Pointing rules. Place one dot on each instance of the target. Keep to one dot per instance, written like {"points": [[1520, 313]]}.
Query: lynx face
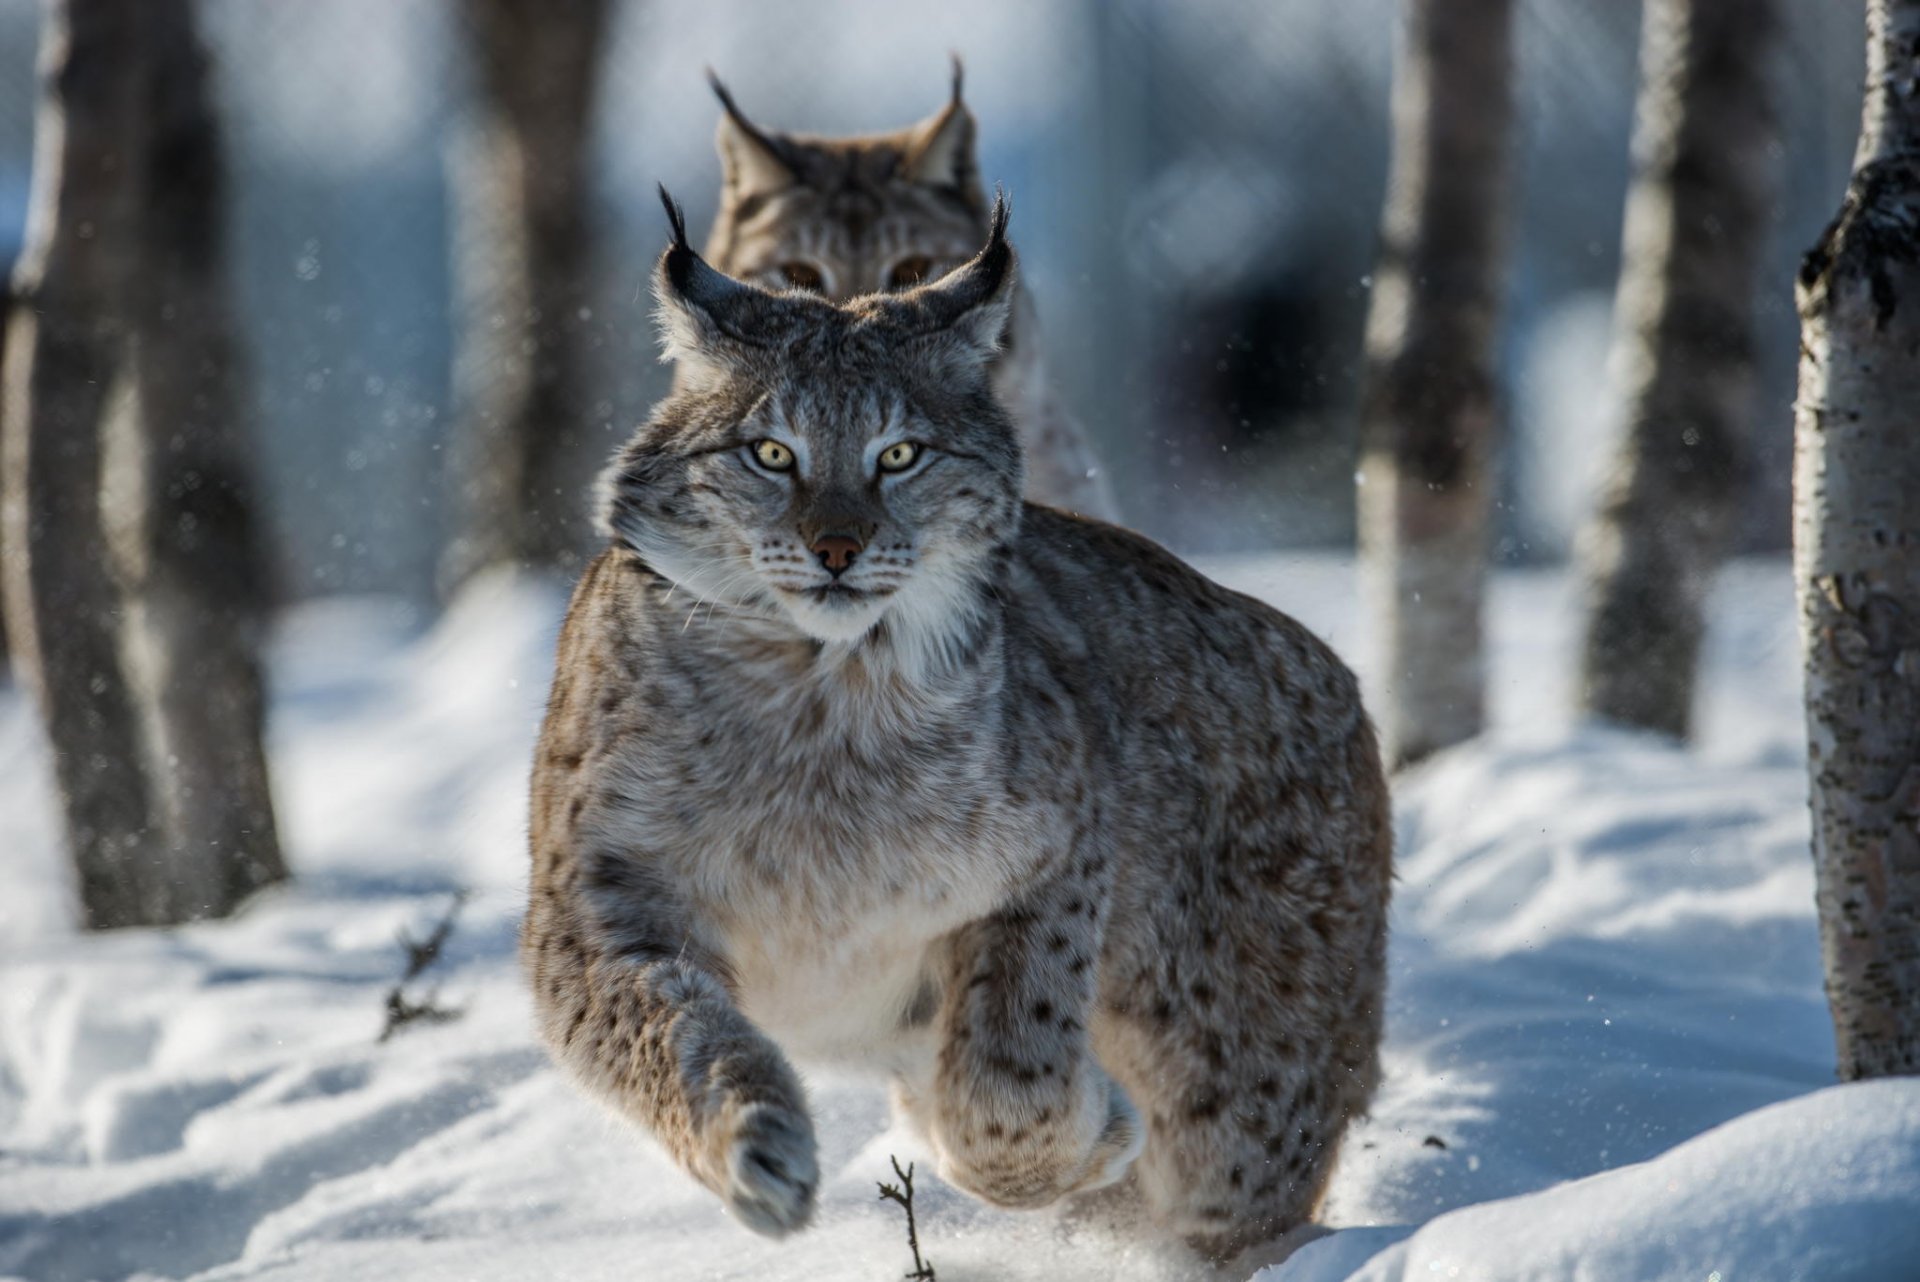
{"points": [[832, 466], [844, 217]]}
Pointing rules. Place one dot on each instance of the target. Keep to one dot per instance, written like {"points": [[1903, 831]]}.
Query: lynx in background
{"points": [[842, 217], [851, 756]]}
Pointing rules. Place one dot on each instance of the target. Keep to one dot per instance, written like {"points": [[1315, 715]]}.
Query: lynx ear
{"points": [[939, 150], [964, 313], [752, 162], [708, 320]]}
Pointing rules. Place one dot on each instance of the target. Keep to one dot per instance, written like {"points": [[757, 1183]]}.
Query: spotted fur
{"points": [[1086, 853], [876, 214]]}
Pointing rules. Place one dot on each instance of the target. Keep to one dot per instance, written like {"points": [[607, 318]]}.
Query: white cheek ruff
{"points": [[932, 613], [719, 574]]}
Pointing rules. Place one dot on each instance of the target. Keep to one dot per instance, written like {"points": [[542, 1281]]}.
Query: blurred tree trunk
{"points": [[1857, 561], [1696, 225], [523, 248], [203, 588], [67, 341], [147, 679], [1428, 410], [6, 324]]}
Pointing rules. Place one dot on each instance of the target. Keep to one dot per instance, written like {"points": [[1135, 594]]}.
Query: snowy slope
{"points": [[1604, 947], [1819, 1188]]}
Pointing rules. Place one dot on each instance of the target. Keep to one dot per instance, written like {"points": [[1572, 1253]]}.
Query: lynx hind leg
{"points": [[1218, 1181], [1119, 1145], [1246, 1025]]}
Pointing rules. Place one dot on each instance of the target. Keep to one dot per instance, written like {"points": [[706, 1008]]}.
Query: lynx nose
{"points": [[836, 551]]}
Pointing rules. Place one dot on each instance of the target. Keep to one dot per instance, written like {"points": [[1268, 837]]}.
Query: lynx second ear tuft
{"points": [[940, 150], [753, 162]]}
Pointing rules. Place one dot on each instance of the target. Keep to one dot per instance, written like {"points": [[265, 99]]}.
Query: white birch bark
{"points": [[1857, 561], [1428, 414]]}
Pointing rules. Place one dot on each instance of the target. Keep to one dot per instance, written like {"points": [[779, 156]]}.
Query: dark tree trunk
{"points": [[6, 326], [203, 593], [1428, 411], [66, 343], [1696, 226], [148, 680], [1857, 560], [524, 250]]}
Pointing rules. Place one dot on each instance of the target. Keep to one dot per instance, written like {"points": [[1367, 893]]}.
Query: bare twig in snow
{"points": [[401, 1012], [903, 1194], [422, 953]]}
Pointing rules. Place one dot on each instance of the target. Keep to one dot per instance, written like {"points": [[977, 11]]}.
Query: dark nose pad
{"points": [[836, 552]]}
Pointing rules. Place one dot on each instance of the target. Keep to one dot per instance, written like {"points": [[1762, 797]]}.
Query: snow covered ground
{"points": [[1608, 1053]]}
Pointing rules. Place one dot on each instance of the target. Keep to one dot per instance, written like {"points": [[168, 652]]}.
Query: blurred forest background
{"points": [[310, 298], [1196, 192]]}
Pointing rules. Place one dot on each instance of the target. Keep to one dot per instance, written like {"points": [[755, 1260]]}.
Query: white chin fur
{"points": [[831, 620]]}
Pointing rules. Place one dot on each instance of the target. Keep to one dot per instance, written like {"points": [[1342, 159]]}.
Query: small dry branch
{"points": [[903, 1194], [422, 953]]}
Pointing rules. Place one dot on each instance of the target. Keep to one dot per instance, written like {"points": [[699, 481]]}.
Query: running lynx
{"points": [[849, 216], [851, 756]]}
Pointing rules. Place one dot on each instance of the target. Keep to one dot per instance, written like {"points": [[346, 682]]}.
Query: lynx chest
{"points": [[826, 843], [830, 924]]}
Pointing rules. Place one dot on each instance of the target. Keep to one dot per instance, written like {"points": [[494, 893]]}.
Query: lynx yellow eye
{"points": [[773, 456], [909, 272], [900, 457], [802, 276]]}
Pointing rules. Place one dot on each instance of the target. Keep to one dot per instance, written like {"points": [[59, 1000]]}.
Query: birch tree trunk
{"points": [[203, 589], [1857, 561], [523, 254], [1696, 226], [1428, 411], [145, 666], [66, 342]]}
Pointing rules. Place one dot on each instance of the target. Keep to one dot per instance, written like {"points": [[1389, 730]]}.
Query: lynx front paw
{"points": [[772, 1172]]}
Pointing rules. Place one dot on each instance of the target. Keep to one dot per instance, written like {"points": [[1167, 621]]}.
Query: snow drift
{"points": [[1608, 1055]]}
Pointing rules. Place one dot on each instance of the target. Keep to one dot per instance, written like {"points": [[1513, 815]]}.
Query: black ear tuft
{"points": [[720, 91], [680, 256], [997, 220], [996, 256], [774, 146], [752, 160], [959, 75], [675, 219]]}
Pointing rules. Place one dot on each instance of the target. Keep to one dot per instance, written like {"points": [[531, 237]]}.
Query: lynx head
{"points": [[844, 467], [844, 217]]}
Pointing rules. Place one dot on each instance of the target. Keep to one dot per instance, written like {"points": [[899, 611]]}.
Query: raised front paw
{"points": [[772, 1173]]}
